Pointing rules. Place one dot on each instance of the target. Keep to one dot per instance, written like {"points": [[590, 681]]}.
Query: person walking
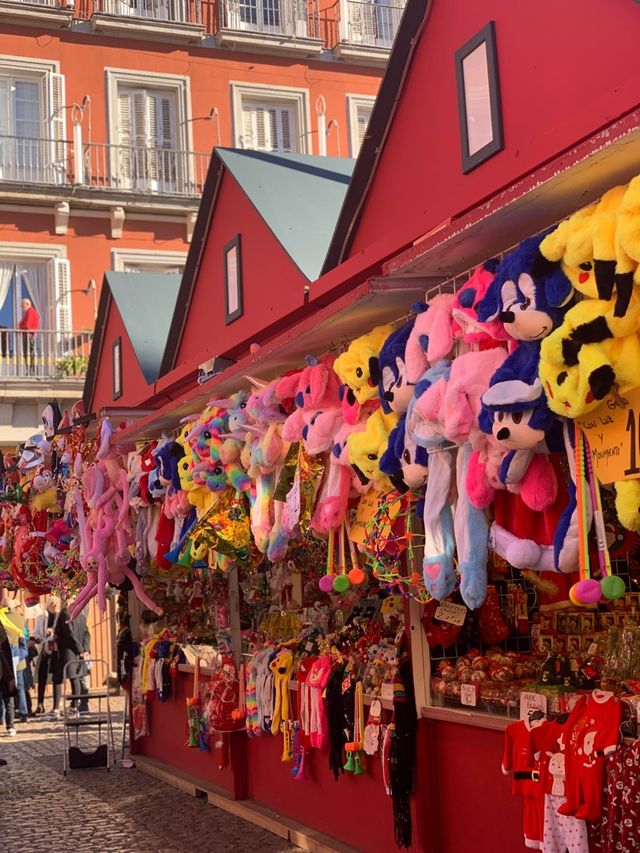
{"points": [[43, 635], [80, 674], [12, 618], [7, 684], [29, 325], [69, 650]]}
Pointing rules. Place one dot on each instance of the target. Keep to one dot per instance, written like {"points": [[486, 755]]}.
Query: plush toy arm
{"points": [[480, 492], [539, 486], [471, 534]]}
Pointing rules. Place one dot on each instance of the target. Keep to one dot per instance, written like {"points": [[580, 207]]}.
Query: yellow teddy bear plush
{"points": [[358, 370], [366, 448]]}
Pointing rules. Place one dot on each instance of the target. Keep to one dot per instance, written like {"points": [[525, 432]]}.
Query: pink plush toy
{"points": [[315, 388], [340, 482], [432, 336], [105, 533], [465, 310]]}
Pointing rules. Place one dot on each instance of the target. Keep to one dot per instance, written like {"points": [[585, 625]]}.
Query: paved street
{"points": [[93, 811]]}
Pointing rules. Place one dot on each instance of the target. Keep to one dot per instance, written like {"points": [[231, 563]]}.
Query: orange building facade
{"points": [[108, 114]]}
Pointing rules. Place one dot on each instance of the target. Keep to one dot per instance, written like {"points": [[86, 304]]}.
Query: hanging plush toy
{"points": [[515, 412], [529, 295], [432, 336], [367, 448], [359, 371], [470, 330], [394, 387]]}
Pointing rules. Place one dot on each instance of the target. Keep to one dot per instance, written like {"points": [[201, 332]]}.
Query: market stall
{"points": [[410, 523]]}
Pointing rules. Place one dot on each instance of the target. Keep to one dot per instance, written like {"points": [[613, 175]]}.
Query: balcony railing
{"points": [[45, 354], [355, 22], [33, 161], [293, 18], [180, 11], [136, 170], [142, 170], [371, 24]]}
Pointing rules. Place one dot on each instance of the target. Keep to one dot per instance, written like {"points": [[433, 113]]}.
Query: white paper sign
{"points": [[387, 691], [530, 702], [468, 694], [453, 613]]}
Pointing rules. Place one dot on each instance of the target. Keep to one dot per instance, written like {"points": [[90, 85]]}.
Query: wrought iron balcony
{"points": [[371, 24], [135, 170], [45, 354], [289, 18], [143, 170], [179, 11]]}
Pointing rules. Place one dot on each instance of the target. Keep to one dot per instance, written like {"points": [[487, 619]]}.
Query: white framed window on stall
{"points": [[33, 144]]}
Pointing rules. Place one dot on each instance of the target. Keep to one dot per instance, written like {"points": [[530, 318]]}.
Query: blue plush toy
{"points": [[529, 294], [515, 412], [394, 388], [404, 461]]}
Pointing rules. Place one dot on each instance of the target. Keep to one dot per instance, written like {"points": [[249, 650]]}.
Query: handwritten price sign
{"points": [[613, 433]]}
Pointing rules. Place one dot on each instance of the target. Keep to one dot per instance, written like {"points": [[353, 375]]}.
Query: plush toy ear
{"points": [[490, 305], [557, 287], [390, 459], [374, 370], [287, 386], [485, 421], [554, 244], [319, 380]]}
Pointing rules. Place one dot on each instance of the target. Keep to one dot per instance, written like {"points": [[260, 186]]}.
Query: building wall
{"points": [[83, 58], [263, 306], [575, 72]]}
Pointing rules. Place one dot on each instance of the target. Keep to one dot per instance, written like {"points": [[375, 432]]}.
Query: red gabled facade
{"points": [[566, 70], [272, 284]]}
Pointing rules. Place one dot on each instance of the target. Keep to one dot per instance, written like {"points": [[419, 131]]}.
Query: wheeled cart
{"points": [[85, 721]]}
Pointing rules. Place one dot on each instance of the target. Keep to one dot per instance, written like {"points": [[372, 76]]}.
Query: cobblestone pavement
{"points": [[93, 811]]}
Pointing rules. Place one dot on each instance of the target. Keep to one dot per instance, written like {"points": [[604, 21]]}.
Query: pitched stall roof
{"points": [[414, 18], [299, 197], [146, 303]]}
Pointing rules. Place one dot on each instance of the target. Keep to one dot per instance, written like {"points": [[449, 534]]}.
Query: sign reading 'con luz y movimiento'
{"points": [[613, 433]]}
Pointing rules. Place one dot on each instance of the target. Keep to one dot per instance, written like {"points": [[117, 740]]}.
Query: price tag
{"points": [[469, 694], [387, 690], [530, 702], [613, 432], [293, 503], [452, 613]]}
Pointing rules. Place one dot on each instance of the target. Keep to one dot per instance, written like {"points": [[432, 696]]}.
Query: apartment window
{"points": [[359, 109], [372, 23], [38, 273], [233, 280], [288, 17], [149, 131], [32, 122], [141, 260], [267, 119]]}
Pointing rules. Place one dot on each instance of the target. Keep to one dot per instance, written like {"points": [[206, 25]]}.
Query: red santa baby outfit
{"points": [[593, 731], [518, 759], [560, 832]]}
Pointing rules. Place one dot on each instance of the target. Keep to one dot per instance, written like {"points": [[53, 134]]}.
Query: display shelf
{"points": [[467, 718]]}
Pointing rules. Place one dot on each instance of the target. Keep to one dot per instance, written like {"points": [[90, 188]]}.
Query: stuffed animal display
{"points": [[460, 417]]}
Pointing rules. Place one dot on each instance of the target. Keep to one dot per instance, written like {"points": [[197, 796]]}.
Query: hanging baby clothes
{"points": [[619, 829], [561, 833], [592, 733], [518, 759], [317, 680]]}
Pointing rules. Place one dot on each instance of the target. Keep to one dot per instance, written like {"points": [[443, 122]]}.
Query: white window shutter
{"points": [[60, 273], [6, 158], [248, 121], [363, 114], [57, 126]]}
